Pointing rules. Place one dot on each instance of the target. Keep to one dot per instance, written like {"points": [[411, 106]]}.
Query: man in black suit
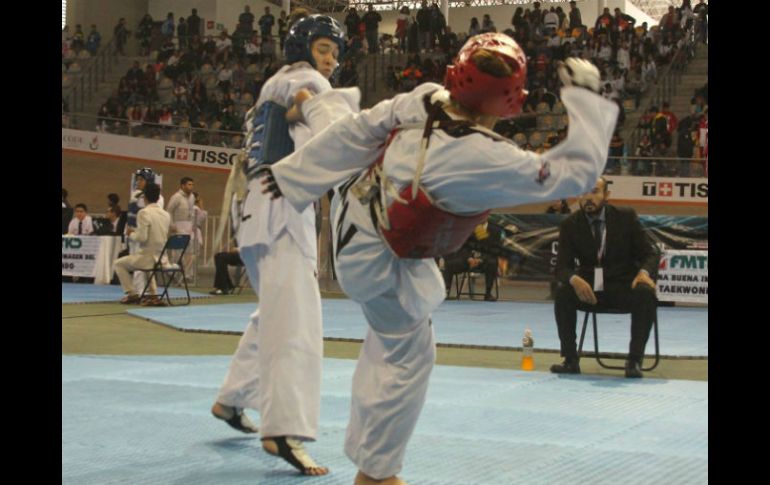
{"points": [[616, 264], [476, 254]]}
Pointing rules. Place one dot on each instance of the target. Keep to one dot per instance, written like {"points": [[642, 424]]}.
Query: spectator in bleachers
{"points": [[649, 70], [252, 49], [604, 23], [245, 21], [643, 149], [224, 47], [267, 49], [168, 26], [449, 44], [194, 24], [701, 12], [120, 34], [283, 28], [575, 19], [437, 24], [182, 33], [536, 15], [487, 25], [669, 21], [550, 22], [224, 77], [93, 41], [616, 152], [144, 33], [372, 20], [352, 20], [423, 23], [266, 23], [78, 39], [66, 40], [402, 27]]}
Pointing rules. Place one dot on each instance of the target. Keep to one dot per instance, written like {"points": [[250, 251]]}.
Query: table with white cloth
{"points": [[90, 256]]}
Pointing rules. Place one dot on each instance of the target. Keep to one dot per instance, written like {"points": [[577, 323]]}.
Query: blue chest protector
{"points": [[267, 136]]}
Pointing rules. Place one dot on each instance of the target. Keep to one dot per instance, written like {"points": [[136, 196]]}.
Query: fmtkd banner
{"points": [[684, 276]]}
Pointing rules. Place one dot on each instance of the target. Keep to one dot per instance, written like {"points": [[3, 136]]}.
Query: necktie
{"points": [[597, 227], [80, 227]]}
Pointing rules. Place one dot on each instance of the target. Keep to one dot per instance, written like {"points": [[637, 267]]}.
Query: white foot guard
{"points": [[234, 417], [293, 451]]}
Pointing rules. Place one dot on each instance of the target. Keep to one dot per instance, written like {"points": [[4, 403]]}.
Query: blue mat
{"points": [[145, 420], [683, 331], [86, 293]]}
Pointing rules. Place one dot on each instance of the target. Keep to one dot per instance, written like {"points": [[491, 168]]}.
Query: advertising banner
{"points": [[79, 255], [146, 149], [684, 276]]}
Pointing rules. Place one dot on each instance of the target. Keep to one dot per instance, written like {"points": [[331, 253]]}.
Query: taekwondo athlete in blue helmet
{"points": [[276, 369]]}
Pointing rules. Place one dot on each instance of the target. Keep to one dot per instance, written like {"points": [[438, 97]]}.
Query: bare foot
{"points": [[293, 451], [363, 479]]}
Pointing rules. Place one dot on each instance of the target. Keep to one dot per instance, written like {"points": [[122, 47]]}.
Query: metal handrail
{"points": [[142, 129], [94, 72], [668, 82]]}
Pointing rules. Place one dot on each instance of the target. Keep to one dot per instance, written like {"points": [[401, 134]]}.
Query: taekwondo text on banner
{"points": [[684, 276]]}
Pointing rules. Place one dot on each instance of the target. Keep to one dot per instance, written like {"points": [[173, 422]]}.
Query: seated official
{"points": [[81, 224], [222, 283], [152, 227], [113, 224], [617, 264], [471, 257]]}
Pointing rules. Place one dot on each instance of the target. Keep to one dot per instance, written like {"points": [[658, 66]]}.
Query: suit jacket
{"points": [[152, 225], [628, 249]]}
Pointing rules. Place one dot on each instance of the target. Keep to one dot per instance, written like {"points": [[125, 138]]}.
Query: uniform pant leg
{"points": [[389, 386], [289, 340], [241, 385]]}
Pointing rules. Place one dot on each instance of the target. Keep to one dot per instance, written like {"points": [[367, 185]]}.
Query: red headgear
{"points": [[484, 93]]}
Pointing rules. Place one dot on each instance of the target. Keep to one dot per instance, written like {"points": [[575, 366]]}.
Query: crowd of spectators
{"points": [[208, 82]]}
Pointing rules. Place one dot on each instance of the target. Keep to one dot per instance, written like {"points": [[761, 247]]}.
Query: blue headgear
{"points": [[146, 173], [307, 29]]}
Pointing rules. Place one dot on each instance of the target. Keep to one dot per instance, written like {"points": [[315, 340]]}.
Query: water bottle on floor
{"points": [[527, 361]]}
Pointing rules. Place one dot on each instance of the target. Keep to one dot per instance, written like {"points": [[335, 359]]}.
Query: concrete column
{"points": [[445, 9], [285, 5]]}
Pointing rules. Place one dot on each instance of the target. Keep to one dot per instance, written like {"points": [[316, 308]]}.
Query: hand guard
{"points": [[579, 72], [268, 181]]}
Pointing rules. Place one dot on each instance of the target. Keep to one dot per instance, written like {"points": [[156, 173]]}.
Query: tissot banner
{"points": [[146, 149]]}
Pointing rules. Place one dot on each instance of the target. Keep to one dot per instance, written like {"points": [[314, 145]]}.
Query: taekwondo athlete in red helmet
{"points": [[413, 175]]}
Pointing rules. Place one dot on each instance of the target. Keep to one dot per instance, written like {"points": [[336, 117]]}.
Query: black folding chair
{"points": [[241, 279], [599, 355], [470, 277], [164, 275]]}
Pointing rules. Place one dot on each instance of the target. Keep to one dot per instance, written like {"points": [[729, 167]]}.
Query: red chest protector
{"points": [[414, 227], [419, 229]]}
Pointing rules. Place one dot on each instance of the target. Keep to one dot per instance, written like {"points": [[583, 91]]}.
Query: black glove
{"points": [[269, 183]]}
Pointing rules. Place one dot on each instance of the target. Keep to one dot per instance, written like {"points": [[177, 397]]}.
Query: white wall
{"points": [[223, 12], [87, 12], [460, 18]]}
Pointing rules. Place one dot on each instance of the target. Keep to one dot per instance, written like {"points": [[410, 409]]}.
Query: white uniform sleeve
{"points": [[142, 227], [343, 149], [323, 109]]}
